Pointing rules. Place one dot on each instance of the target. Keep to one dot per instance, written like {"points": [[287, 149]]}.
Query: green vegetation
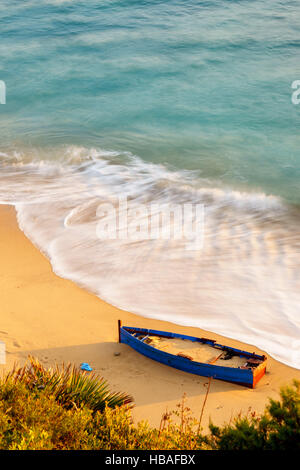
{"points": [[69, 409], [68, 386], [277, 429]]}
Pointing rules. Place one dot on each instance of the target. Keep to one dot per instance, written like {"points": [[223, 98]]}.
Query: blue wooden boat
{"points": [[251, 369]]}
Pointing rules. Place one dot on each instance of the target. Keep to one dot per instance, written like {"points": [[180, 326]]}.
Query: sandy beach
{"points": [[58, 322]]}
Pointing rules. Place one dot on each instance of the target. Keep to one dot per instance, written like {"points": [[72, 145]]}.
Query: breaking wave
{"points": [[244, 282]]}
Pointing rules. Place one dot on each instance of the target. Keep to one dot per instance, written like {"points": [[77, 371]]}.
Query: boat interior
{"points": [[198, 351]]}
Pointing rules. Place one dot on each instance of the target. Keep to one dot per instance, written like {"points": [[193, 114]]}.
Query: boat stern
{"points": [[259, 372]]}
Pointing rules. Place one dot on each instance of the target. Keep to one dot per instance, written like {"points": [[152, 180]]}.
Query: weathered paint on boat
{"points": [[247, 376]]}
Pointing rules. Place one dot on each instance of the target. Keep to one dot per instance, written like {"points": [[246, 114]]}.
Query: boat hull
{"points": [[246, 377]]}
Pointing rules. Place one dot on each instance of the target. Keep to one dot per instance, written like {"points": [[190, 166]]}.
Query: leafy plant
{"points": [[68, 385], [63, 408]]}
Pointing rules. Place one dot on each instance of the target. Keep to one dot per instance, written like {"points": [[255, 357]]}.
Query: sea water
{"points": [[161, 102]]}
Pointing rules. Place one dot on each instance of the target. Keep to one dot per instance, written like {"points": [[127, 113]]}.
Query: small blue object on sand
{"points": [[85, 366]]}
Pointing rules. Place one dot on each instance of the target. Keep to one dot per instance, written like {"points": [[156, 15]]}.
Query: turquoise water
{"points": [[200, 85], [161, 101]]}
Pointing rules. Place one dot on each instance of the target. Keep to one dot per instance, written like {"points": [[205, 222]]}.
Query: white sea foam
{"points": [[244, 283]]}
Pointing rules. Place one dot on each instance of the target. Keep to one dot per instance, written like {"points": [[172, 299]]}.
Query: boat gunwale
{"points": [[212, 343]]}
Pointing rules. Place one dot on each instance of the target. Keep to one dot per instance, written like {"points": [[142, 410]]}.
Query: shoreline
{"points": [[57, 321]]}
